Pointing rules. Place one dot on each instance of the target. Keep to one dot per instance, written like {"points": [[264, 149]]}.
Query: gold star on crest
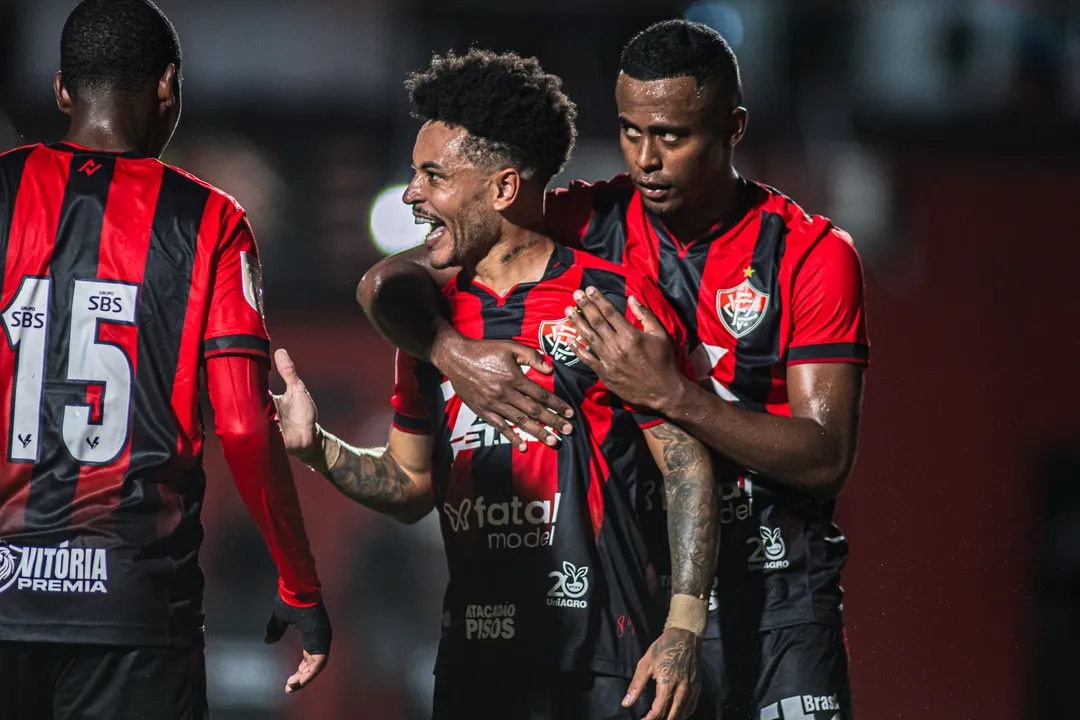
{"points": [[748, 272]]}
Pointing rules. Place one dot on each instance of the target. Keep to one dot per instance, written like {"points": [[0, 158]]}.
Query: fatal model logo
{"points": [[509, 525], [555, 337], [741, 308]]}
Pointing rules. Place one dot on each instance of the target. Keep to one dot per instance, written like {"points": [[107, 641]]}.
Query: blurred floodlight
{"points": [[392, 226], [721, 17]]}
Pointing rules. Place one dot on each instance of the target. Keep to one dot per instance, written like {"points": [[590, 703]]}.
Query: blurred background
{"points": [[944, 135]]}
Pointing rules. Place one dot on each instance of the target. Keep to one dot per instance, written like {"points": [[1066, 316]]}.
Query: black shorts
{"points": [[793, 673], [561, 696], [42, 681]]}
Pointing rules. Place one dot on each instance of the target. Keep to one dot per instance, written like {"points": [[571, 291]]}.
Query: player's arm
{"points": [[400, 295], [394, 480], [814, 449], [672, 660], [236, 356]]}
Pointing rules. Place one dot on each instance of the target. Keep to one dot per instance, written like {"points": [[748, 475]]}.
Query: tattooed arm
{"points": [[691, 508], [394, 480], [672, 661]]}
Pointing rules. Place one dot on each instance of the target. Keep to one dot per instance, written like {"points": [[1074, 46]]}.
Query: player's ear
{"points": [[168, 86], [739, 118], [506, 185], [63, 97]]}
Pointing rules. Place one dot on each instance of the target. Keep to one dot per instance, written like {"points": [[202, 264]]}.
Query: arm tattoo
{"points": [[691, 510], [372, 478]]}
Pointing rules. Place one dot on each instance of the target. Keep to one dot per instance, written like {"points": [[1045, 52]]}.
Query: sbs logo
{"points": [[570, 585]]}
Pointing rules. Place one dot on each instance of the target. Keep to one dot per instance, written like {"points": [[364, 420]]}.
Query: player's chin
{"points": [[663, 208]]}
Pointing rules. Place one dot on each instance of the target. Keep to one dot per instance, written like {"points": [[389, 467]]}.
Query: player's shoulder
{"points": [[227, 202], [619, 275], [16, 157], [805, 231], [589, 192]]}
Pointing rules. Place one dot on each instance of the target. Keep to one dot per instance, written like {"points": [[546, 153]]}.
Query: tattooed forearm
{"points": [[691, 509], [372, 477]]}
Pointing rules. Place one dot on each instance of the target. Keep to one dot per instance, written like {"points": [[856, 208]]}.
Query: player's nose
{"points": [[412, 194]]}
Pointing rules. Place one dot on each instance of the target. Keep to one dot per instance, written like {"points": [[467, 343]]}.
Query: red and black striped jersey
{"points": [[546, 556], [768, 287], [122, 279]]}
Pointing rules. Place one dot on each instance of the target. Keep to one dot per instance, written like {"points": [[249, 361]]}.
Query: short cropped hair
{"points": [[116, 45], [680, 48], [514, 112]]}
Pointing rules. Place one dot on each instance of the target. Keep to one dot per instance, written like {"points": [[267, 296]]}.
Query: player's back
{"points": [[109, 307]]}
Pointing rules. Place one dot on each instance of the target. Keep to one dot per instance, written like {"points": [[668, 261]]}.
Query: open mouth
{"points": [[436, 225]]}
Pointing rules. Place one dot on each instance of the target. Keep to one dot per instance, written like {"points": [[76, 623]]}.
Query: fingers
{"points": [[548, 401], [309, 667], [286, 369], [678, 703], [275, 629], [645, 316], [585, 356], [590, 312], [640, 680], [610, 313], [504, 428], [532, 358], [660, 704]]}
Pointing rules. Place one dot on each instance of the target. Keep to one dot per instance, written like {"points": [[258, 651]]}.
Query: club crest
{"points": [[555, 337], [741, 308]]}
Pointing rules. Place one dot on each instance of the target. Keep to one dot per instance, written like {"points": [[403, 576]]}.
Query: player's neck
{"points": [[692, 222], [109, 129], [520, 256]]}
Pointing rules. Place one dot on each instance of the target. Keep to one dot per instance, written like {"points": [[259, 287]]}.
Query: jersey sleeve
{"points": [[649, 295], [569, 210], [410, 415], [235, 324], [828, 312], [245, 420]]}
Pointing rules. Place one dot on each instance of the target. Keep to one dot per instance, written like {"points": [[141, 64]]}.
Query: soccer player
{"points": [[773, 301], [548, 607], [122, 278]]}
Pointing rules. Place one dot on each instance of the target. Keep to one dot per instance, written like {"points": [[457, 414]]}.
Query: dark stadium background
{"points": [[945, 136]]}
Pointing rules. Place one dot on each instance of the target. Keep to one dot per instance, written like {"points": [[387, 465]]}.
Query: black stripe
{"points": [[237, 342], [831, 351], [75, 257], [606, 235], [11, 171], [166, 287], [679, 278], [405, 422], [758, 351]]}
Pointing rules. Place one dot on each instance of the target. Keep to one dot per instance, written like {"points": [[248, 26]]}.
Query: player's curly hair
{"points": [[515, 112], [680, 48], [116, 45]]}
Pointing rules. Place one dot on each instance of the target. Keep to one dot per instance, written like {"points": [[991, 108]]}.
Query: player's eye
{"points": [[631, 132], [670, 138]]}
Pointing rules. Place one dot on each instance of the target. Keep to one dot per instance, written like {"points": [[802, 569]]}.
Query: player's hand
{"points": [[672, 663], [637, 366], [487, 375], [313, 624], [296, 411]]}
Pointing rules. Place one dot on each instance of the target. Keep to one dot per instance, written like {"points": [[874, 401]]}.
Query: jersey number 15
{"points": [[90, 360]]}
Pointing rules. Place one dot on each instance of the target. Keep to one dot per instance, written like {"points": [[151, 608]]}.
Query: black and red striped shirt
{"points": [[122, 279], [546, 556], [769, 287]]}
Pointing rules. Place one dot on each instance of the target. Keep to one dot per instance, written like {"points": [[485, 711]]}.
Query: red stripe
{"points": [[125, 241], [29, 252], [642, 243]]}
